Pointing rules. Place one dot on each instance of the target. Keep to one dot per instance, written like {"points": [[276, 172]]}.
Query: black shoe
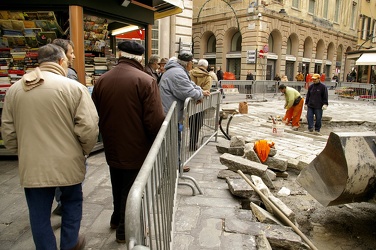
{"points": [[120, 236], [114, 222], [58, 210]]}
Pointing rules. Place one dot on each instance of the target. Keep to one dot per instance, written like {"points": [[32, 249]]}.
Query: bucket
{"points": [[278, 129]]}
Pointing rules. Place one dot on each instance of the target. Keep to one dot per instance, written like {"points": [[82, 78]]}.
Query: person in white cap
{"points": [[316, 101]]}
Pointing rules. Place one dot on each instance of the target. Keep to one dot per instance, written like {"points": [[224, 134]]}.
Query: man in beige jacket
{"points": [[202, 78], [51, 122]]}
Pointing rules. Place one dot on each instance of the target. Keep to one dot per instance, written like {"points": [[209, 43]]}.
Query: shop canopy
{"points": [[367, 59]]}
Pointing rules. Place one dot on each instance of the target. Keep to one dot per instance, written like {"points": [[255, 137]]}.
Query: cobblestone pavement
{"points": [[201, 220]]}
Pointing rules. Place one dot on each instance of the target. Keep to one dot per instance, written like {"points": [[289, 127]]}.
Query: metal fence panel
{"points": [[150, 206], [200, 125]]}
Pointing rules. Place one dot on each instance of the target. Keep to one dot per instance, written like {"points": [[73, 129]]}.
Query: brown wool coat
{"points": [[130, 113]]}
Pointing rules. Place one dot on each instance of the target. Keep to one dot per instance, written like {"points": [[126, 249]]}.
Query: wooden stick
{"points": [[276, 209]]}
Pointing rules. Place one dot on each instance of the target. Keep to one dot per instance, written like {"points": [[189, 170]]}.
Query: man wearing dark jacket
{"points": [[316, 101], [130, 115]]}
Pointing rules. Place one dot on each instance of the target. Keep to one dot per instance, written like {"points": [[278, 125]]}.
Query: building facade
{"points": [[174, 32], [278, 37]]}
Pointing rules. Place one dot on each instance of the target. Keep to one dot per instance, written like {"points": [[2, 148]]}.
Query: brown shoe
{"points": [[80, 244], [186, 169]]}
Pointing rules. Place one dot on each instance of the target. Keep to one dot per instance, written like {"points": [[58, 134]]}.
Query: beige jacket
{"points": [[201, 77], [51, 122]]}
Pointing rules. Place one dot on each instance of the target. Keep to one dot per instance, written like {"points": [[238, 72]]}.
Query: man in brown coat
{"points": [[130, 115]]}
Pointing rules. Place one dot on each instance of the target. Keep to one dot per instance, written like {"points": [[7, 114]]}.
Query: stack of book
{"points": [[31, 60], [89, 67], [5, 59], [100, 65]]}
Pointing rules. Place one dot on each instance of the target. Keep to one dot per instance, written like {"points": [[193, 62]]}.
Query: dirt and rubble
{"points": [[347, 226]]}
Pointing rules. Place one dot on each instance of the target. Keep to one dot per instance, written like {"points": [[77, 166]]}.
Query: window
{"points": [[374, 32], [325, 14], [336, 11], [236, 42], [295, 3], [211, 44], [311, 7], [366, 27], [289, 47], [155, 38]]}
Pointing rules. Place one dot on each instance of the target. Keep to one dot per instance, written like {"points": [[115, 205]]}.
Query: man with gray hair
{"points": [[176, 85], [51, 122], [152, 66]]}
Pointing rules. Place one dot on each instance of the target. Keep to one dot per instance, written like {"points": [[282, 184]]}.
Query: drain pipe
{"points": [[279, 213]]}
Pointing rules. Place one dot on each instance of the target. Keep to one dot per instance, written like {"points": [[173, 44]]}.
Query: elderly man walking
{"points": [[130, 115], [51, 122]]}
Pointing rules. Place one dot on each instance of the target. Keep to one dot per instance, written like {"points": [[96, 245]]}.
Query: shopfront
{"points": [[27, 25]]}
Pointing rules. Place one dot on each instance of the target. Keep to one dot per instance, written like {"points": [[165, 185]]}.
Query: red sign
{"points": [[261, 53], [136, 34]]}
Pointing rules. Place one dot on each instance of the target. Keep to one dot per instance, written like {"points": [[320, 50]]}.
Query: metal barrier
{"points": [[356, 91], [260, 89], [200, 125], [150, 206]]}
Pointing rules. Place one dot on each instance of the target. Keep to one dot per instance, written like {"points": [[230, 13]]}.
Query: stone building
{"points": [[276, 36]]}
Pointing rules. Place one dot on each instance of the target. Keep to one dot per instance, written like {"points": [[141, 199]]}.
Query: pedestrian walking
{"points": [[130, 115], [293, 105], [219, 73], [316, 101], [51, 122], [68, 47]]}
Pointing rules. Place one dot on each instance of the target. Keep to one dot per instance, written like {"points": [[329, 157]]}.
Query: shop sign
{"points": [[290, 58], [272, 56], [251, 56], [318, 61], [306, 59], [233, 55], [328, 62]]}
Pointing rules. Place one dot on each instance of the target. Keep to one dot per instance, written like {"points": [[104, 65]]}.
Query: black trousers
{"points": [[195, 123], [121, 181]]}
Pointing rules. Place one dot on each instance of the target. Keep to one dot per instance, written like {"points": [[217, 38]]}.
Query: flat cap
{"points": [[185, 56], [316, 76], [131, 47]]}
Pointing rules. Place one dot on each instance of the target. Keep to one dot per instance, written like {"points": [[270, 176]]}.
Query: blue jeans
{"points": [[39, 201], [58, 191], [318, 114]]}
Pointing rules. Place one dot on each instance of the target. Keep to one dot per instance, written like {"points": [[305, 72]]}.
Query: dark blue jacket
{"points": [[317, 96]]}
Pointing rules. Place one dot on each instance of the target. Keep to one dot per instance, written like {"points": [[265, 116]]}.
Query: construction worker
{"points": [[293, 105]]}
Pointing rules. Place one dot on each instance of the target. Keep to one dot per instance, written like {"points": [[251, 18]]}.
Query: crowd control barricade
{"points": [[200, 126], [356, 91], [150, 207], [240, 86]]}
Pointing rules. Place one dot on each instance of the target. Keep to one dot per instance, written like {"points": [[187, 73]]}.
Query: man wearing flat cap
{"points": [[130, 115], [176, 85], [316, 101]]}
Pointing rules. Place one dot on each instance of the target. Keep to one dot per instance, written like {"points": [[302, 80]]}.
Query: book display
{"points": [[21, 34], [96, 47]]}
